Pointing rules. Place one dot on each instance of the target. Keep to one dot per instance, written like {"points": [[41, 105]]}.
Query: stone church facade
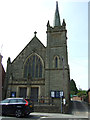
{"points": [[38, 70]]}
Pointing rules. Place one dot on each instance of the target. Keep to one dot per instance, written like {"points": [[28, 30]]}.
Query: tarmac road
{"points": [[79, 108]]}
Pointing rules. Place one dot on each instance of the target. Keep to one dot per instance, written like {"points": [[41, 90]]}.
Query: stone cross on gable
{"points": [[35, 33]]}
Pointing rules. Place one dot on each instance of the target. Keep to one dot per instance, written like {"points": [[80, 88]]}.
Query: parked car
{"points": [[16, 106]]}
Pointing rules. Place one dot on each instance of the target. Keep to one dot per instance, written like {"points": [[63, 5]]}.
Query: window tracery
{"points": [[33, 67]]}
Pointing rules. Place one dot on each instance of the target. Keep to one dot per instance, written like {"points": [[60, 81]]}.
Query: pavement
{"points": [[48, 116], [58, 115]]}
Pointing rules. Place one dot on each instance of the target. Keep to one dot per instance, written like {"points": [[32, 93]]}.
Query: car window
{"points": [[13, 101], [24, 101], [5, 101], [21, 100]]}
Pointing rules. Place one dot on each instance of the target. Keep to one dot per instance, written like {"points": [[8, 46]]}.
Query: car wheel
{"points": [[18, 113], [26, 115]]}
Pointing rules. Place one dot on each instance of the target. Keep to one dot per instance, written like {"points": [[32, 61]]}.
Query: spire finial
{"points": [[48, 24], [56, 5], [57, 16]]}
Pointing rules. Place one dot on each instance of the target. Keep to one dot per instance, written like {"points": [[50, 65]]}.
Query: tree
{"points": [[81, 93], [73, 88]]}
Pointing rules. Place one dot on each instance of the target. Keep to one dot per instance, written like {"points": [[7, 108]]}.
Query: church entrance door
{"points": [[23, 92], [34, 94]]}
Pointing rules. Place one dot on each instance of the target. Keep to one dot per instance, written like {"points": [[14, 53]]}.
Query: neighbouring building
{"points": [[76, 98], [88, 92], [41, 72], [2, 77]]}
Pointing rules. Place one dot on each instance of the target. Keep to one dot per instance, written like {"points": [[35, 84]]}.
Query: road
{"points": [[79, 108], [79, 111]]}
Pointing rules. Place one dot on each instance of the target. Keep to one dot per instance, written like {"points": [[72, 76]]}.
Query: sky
{"points": [[19, 19], [88, 45]]}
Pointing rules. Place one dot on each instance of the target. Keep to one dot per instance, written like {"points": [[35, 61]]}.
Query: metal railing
{"points": [[43, 101]]}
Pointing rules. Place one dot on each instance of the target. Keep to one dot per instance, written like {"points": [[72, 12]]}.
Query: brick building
{"points": [[38, 70]]}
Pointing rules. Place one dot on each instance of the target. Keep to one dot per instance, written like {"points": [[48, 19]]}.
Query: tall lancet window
{"points": [[33, 67], [56, 62]]}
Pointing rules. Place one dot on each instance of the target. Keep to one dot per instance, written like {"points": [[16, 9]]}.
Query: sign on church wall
{"points": [[56, 94]]}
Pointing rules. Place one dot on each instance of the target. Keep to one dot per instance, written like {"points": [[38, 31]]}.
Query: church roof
{"points": [[34, 44]]}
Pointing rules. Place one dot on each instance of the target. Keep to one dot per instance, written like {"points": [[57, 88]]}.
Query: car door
{"points": [[19, 104], [12, 106], [4, 105]]}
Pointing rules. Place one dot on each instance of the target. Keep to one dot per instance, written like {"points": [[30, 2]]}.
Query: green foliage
{"points": [[75, 91], [73, 88], [72, 92], [82, 93]]}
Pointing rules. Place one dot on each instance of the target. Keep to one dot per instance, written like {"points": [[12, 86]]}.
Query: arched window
{"points": [[33, 67], [56, 62]]}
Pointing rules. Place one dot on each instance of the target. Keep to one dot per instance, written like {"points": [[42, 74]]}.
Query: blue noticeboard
{"points": [[61, 94], [57, 94], [13, 94], [53, 94]]}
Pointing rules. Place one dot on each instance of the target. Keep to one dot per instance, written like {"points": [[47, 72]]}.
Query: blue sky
{"points": [[21, 18]]}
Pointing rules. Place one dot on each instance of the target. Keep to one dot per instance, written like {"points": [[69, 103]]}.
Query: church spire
{"points": [[57, 16]]}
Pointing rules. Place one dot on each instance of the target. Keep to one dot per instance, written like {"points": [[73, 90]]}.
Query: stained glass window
{"points": [[33, 67], [36, 71]]}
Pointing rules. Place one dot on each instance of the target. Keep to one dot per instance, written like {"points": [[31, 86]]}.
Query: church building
{"points": [[41, 71]]}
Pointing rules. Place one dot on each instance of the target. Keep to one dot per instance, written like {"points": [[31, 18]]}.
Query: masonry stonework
{"points": [[38, 70]]}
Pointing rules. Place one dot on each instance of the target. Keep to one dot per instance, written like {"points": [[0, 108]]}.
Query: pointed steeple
{"points": [[57, 16]]}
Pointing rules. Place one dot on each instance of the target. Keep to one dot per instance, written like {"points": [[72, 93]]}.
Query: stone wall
{"points": [[35, 46], [50, 109]]}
